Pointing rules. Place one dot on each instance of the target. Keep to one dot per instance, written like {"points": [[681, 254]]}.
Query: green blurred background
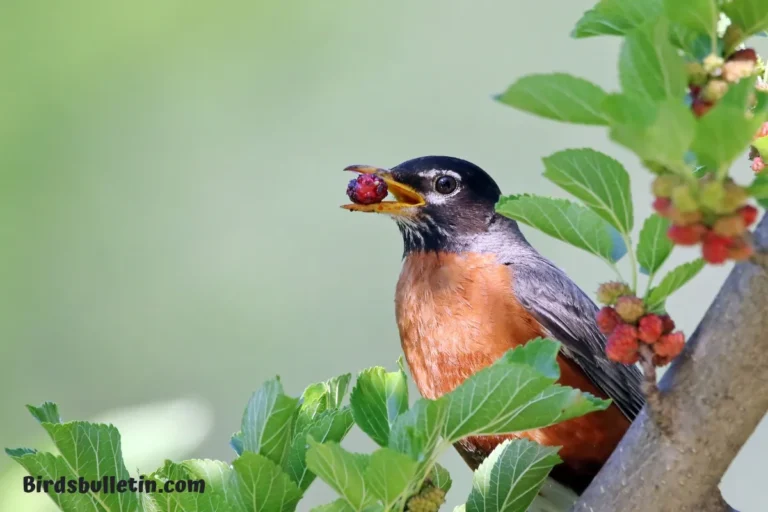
{"points": [[170, 176]]}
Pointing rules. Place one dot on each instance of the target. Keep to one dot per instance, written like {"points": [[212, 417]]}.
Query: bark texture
{"points": [[712, 397]]}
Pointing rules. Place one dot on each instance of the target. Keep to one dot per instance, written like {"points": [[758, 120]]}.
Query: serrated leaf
{"points": [[19, 452], [236, 442], [268, 420], [417, 432], [649, 65], [654, 246], [616, 17], [389, 475], [759, 187], [509, 479], [204, 499], [510, 397], [540, 354], [342, 471], [329, 426], [723, 135], [672, 282], [598, 180], [321, 397], [761, 144], [93, 451], [263, 486], [440, 478], [750, 15], [337, 506], [700, 16], [566, 221], [659, 132], [220, 480], [51, 467], [377, 399], [557, 96], [48, 412]]}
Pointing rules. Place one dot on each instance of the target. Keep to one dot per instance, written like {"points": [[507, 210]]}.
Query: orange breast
{"points": [[458, 314]]}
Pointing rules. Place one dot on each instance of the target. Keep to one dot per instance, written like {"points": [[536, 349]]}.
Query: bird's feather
{"points": [[568, 315]]}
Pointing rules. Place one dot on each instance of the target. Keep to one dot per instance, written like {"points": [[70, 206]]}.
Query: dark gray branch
{"points": [[714, 395]]}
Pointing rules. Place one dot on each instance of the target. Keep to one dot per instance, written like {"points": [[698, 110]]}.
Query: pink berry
{"points": [[367, 189]]}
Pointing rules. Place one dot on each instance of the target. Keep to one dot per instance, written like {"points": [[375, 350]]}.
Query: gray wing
{"points": [[568, 314]]}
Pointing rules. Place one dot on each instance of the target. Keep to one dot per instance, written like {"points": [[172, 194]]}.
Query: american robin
{"points": [[472, 287]]}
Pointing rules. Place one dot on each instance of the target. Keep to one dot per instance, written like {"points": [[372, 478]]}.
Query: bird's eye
{"points": [[445, 184]]}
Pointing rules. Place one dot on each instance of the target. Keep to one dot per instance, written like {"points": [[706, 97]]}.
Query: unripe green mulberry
{"points": [[608, 293], [683, 199], [711, 195], [664, 185], [428, 500]]}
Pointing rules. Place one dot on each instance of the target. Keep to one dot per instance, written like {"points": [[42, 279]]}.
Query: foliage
{"points": [[285, 443]]}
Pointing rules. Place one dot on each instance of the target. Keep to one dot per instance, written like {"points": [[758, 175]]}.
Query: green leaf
{"points": [[52, 467], [440, 478], [377, 399], [598, 180], [88, 450], [509, 479], [649, 65], [511, 397], [268, 420], [725, 132], [655, 246], [342, 471], [236, 442], [337, 506], [264, 487], [389, 475], [209, 500], [700, 16], [659, 132], [566, 221], [417, 432], [321, 397], [48, 412], [616, 17], [220, 480], [330, 425], [557, 96], [750, 15], [759, 187], [672, 282], [540, 354], [761, 144]]}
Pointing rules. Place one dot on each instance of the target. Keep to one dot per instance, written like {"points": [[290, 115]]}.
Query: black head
{"points": [[442, 203]]}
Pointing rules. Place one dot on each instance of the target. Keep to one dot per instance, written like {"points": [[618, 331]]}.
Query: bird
{"points": [[472, 287]]}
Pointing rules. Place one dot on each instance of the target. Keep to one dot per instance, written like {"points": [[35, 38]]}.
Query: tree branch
{"points": [[715, 394]]}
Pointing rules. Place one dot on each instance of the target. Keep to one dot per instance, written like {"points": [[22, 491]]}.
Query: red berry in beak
{"points": [[367, 189]]}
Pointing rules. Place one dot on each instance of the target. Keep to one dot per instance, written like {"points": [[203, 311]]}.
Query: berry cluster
{"points": [[708, 81], [709, 212], [429, 499], [627, 324], [367, 189]]}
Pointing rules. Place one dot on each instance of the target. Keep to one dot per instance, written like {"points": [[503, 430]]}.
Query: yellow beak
{"points": [[405, 196]]}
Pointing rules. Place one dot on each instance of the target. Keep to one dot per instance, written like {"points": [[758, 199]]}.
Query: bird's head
{"points": [[439, 202]]}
